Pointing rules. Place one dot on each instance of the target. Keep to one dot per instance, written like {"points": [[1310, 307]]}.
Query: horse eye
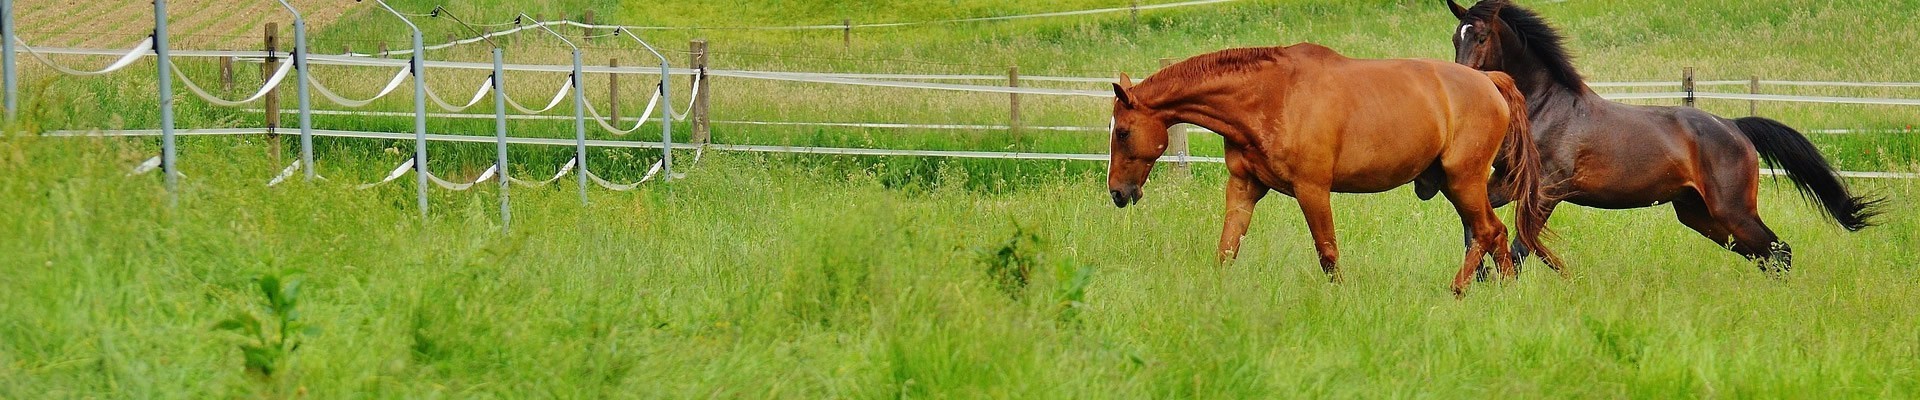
{"points": [[1122, 133]]}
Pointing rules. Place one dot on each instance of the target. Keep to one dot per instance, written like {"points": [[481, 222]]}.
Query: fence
{"points": [[662, 100]]}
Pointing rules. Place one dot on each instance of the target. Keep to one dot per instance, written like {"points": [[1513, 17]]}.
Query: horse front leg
{"points": [[1242, 194]]}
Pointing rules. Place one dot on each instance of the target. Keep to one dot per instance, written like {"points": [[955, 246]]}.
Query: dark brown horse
{"points": [[1305, 121], [1603, 154]]}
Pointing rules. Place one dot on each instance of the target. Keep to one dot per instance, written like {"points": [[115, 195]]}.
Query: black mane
{"points": [[1541, 39]]}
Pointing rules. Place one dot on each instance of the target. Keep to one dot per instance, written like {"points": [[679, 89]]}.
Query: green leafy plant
{"points": [[1010, 263], [270, 335], [1072, 293]]}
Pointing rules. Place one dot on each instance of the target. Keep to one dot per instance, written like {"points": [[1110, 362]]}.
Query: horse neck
{"points": [[1537, 81], [1213, 105]]}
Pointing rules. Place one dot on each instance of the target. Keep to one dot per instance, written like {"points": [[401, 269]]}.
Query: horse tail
{"points": [[1788, 150], [1521, 180]]}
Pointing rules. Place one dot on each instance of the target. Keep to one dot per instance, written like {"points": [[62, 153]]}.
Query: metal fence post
{"points": [[613, 88], [420, 121], [164, 64], [500, 138], [6, 59], [580, 126], [666, 122], [300, 82], [418, 65]]}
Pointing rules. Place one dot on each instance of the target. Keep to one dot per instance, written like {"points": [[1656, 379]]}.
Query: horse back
{"points": [[1389, 120]]}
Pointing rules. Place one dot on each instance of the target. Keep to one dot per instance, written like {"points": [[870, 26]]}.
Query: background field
{"points": [[793, 276]]}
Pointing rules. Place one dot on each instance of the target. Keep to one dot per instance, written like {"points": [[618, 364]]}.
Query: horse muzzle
{"points": [[1124, 196]]}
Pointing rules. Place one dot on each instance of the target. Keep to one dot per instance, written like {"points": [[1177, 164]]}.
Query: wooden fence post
{"points": [[1686, 85], [613, 89], [702, 131], [383, 49], [846, 34], [226, 74], [1135, 10], [272, 101], [1177, 134], [586, 20], [1013, 102], [1753, 106]]}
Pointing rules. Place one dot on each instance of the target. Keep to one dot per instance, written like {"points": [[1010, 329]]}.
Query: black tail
{"points": [[1788, 150]]}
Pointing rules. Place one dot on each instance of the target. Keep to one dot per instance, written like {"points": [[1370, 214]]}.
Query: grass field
{"points": [[770, 276], [806, 280]]}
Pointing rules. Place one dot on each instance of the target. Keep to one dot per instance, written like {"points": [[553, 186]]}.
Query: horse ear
{"points": [[1122, 91], [1460, 13]]}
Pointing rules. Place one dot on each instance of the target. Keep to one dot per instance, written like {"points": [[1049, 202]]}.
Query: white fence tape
{"points": [[284, 174], [903, 80], [1807, 99], [556, 175], [909, 85], [739, 148], [272, 82], [396, 174], [139, 50], [557, 96], [648, 118], [646, 114], [692, 96], [350, 103], [914, 126], [484, 176], [526, 27], [477, 95], [146, 166]]}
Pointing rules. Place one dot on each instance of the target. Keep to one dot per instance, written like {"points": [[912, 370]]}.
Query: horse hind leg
{"points": [[1693, 212], [1518, 251], [1752, 239], [1486, 233], [1741, 230]]}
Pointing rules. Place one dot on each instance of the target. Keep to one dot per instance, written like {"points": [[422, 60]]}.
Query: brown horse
{"points": [[1305, 121], [1603, 154]]}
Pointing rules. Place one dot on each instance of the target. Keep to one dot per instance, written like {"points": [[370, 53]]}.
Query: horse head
{"points": [[1138, 137], [1482, 39]]}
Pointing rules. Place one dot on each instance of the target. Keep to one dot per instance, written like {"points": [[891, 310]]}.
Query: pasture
{"points": [[791, 276]]}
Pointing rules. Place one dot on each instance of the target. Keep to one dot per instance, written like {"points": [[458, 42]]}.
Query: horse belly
{"points": [[1383, 165], [1635, 183]]}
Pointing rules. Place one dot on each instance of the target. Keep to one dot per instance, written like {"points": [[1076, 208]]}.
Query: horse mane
{"points": [[1541, 39], [1223, 62]]}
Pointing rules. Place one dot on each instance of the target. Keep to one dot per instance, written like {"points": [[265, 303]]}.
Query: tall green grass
{"points": [[808, 277], [778, 276]]}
